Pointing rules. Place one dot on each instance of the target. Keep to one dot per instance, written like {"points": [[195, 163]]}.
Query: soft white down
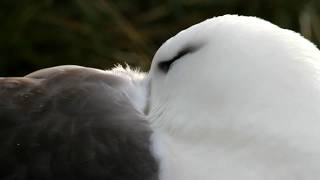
{"points": [[241, 103]]}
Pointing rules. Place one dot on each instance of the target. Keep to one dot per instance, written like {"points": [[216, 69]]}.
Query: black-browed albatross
{"points": [[231, 98], [236, 98], [72, 122]]}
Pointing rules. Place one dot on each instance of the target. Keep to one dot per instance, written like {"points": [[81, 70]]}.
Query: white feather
{"points": [[244, 106], [135, 87]]}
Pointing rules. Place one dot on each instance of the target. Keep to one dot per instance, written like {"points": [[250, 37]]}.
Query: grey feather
{"points": [[72, 123]]}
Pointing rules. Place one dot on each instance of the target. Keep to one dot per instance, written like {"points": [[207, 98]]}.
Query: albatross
{"points": [[232, 97], [71, 122], [236, 98]]}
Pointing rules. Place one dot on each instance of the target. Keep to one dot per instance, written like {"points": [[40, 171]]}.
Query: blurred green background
{"points": [[100, 33]]}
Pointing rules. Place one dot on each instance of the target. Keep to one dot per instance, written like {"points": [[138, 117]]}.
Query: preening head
{"points": [[227, 67]]}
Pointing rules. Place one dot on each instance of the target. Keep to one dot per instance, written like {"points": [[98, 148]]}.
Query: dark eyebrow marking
{"points": [[164, 66]]}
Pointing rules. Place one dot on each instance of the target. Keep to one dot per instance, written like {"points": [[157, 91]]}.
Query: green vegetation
{"points": [[99, 33]]}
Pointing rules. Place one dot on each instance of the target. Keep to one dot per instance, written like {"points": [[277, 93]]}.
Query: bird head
{"points": [[231, 72]]}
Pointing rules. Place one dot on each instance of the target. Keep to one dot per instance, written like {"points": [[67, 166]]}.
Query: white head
{"points": [[229, 72]]}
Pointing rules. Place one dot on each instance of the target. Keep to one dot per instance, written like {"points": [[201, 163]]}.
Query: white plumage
{"points": [[231, 98], [240, 102]]}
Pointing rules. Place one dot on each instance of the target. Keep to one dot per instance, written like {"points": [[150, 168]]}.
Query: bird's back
{"points": [[72, 123]]}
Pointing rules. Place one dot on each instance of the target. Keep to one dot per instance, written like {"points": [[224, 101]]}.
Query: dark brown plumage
{"points": [[72, 123]]}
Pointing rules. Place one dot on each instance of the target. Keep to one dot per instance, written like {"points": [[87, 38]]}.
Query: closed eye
{"points": [[165, 66]]}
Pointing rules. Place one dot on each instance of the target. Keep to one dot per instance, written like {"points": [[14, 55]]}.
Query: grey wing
{"points": [[72, 123]]}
